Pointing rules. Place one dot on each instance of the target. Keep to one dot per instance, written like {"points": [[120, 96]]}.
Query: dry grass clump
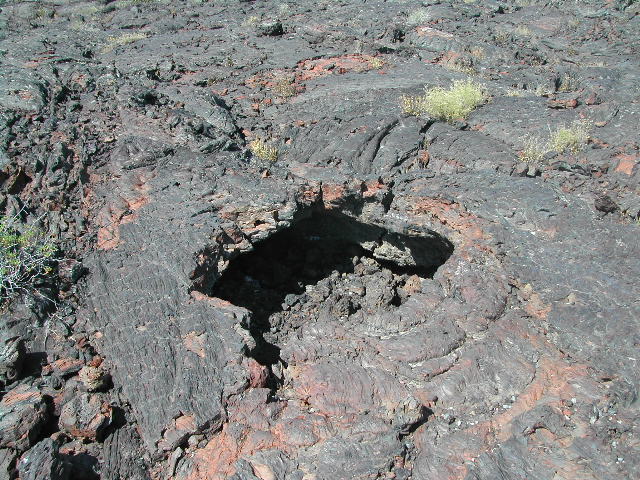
{"points": [[124, 39], [462, 65], [370, 63], [501, 36], [572, 138], [251, 21], [478, 52], [418, 17], [263, 150], [458, 101], [540, 90], [284, 87], [375, 63], [130, 3], [523, 31], [413, 105], [462, 62], [569, 82], [533, 149], [515, 92], [543, 90]]}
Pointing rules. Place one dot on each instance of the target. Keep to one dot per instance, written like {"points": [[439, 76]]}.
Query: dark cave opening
{"points": [[282, 267]]}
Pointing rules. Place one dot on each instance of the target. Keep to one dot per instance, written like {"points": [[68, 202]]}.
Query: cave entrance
{"points": [[278, 272]]}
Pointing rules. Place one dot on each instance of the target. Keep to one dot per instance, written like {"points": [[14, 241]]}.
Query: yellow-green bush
{"points": [[458, 101], [375, 63]]}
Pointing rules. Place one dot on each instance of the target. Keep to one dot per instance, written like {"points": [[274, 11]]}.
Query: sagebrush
{"points": [[25, 256]]}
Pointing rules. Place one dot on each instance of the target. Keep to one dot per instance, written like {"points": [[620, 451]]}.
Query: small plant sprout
{"points": [[423, 155], [25, 256], [263, 150]]}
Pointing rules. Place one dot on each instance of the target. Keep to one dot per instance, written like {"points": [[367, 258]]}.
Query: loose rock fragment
{"points": [[86, 416], [23, 414], [12, 355]]}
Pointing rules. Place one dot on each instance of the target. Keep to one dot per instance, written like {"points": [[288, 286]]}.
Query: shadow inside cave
{"points": [[310, 250]]}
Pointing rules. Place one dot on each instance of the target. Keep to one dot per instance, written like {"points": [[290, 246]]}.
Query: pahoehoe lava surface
{"points": [[382, 295]]}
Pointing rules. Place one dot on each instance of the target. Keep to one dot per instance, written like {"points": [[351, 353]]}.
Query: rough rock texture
{"points": [[85, 416], [23, 413], [124, 456], [11, 356], [393, 297], [43, 462], [7, 462]]}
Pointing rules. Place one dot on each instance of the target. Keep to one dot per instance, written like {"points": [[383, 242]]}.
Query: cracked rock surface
{"points": [[393, 297]]}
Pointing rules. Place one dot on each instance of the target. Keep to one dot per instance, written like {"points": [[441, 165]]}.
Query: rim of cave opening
{"points": [[279, 270]]}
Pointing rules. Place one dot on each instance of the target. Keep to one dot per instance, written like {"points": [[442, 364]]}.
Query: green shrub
{"points": [[462, 98], [24, 257], [375, 63]]}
